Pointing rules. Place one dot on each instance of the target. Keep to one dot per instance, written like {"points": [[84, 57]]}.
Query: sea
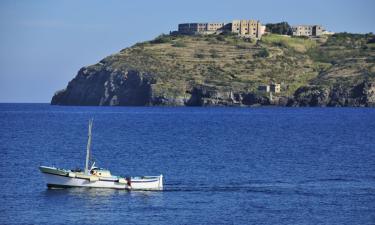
{"points": [[221, 165]]}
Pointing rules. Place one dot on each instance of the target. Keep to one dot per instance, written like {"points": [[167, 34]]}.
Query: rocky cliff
{"points": [[102, 86], [361, 95], [226, 70]]}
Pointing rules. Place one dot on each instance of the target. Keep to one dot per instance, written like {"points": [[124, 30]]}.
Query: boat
{"points": [[95, 177]]}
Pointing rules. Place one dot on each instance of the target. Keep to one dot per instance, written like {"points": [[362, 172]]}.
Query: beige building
{"points": [[250, 28], [200, 28], [308, 30], [275, 88], [213, 27]]}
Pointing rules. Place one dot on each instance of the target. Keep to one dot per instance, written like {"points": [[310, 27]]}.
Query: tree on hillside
{"points": [[279, 28]]}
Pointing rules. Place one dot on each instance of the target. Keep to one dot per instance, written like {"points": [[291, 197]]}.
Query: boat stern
{"points": [[161, 182], [147, 183]]}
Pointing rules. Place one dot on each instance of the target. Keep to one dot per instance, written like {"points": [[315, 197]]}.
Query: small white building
{"points": [[264, 88], [273, 88]]}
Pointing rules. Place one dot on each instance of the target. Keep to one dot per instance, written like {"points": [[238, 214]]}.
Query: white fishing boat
{"points": [[94, 177]]}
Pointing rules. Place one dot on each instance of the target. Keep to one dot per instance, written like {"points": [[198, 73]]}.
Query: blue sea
{"points": [[221, 165]]}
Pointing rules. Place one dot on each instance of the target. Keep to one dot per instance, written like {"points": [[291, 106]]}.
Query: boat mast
{"points": [[88, 148]]}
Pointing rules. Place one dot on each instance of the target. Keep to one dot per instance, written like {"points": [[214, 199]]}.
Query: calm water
{"points": [[221, 165]]}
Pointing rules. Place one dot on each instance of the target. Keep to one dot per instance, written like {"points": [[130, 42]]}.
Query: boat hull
{"points": [[147, 183], [63, 182]]}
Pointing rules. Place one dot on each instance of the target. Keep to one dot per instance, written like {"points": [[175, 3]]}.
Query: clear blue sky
{"points": [[44, 43]]}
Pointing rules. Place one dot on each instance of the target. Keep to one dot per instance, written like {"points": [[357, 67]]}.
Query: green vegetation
{"points": [[350, 40], [263, 53], [233, 63], [179, 44], [161, 39], [214, 53], [347, 59], [299, 44], [279, 28]]}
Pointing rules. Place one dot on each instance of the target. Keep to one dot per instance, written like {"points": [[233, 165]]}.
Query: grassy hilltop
{"points": [[232, 62], [176, 65]]}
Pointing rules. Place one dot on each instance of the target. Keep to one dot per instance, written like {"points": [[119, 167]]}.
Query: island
{"points": [[241, 63]]}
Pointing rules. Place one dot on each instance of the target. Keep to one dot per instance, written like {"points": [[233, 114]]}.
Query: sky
{"points": [[43, 44]]}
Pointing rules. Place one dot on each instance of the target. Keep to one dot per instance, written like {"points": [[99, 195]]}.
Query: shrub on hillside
{"points": [[179, 44], [263, 53], [220, 38], [199, 55], [348, 40], [162, 39], [371, 40], [241, 46], [279, 28], [214, 53]]}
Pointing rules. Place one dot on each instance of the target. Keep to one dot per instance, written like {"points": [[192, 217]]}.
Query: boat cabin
{"points": [[100, 172]]}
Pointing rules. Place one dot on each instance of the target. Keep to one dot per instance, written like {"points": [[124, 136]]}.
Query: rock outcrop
{"points": [[361, 95], [102, 86]]}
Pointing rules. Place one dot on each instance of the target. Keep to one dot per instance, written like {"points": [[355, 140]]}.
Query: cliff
{"points": [[336, 70]]}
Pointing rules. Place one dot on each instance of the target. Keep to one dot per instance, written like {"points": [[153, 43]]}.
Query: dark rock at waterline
{"points": [[361, 95]]}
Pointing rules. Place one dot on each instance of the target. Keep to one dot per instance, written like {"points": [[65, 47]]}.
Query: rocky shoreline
{"points": [[133, 88]]}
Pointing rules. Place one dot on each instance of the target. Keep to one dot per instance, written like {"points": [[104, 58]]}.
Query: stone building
{"points": [[249, 28], [275, 88], [307, 30], [213, 27], [200, 28]]}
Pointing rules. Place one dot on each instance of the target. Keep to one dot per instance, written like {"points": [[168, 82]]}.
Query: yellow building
{"points": [[275, 88], [250, 28]]}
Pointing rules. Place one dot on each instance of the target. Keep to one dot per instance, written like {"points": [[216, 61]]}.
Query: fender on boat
{"points": [[72, 174], [122, 181]]}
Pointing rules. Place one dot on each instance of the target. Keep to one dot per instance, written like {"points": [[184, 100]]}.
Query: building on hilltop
{"points": [[200, 28], [308, 30], [245, 28], [248, 28]]}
